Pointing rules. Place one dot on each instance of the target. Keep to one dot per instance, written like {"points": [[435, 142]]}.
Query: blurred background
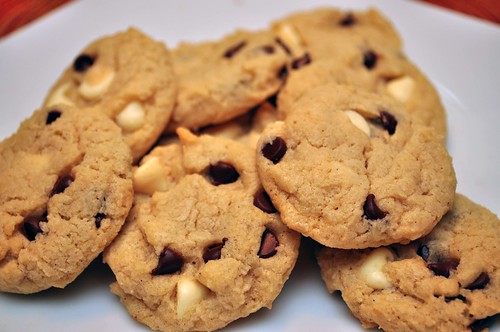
{"points": [[16, 13]]}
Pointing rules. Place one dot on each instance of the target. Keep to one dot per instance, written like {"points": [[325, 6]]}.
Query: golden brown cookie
{"points": [[65, 191], [223, 79], [360, 48], [129, 77], [206, 249], [446, 281], [349, 169]]}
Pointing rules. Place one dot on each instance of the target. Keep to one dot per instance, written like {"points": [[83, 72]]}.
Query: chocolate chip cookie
{"points": [[349, 169], [209, 249], [129, 77], [446, 281], [65, 191], [223, 79], [360, 48]]}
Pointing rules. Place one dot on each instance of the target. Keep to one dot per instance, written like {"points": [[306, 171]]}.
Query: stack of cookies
{"points": [[196, 171]]}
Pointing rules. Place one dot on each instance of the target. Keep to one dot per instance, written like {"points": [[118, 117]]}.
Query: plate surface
{"points": [[460, 55]]}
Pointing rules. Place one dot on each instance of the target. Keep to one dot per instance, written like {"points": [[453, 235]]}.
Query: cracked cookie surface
{"points": [[350, 170], [446, 281], [129, 77], [207, 248], [65, 191]]}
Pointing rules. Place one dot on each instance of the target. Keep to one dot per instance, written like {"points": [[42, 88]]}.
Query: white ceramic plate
{"points": [[460, 55]]}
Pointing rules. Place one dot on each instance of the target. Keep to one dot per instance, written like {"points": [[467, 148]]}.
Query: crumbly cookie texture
{"points": [[129, 77], [446, 281], [349, 169], [360, 48], [208, 248], [221, 80], [65, 191]]}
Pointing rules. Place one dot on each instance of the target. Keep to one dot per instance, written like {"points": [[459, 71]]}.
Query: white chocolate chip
{"points": [[189, 293], [58, 97], [150, 177], [359, 121], [132, 117], [290, 36], [401, 88], [96, 82], [371, 270]]}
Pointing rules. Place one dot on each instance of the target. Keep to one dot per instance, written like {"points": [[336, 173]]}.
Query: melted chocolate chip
{"points": [[369, 59], [268, 244], [284, 46], [443, 268], [275, 150], [453, 298], [371, 210], [388, 121], [481, 281], [348, 20], [61, 185], [213, 252], [235, 49], [98, 219], [269, 49], [169, 262], [482, 324], [301, 62], [423, 251], [83, 63], [263, 202], [52, 116], [222, 173], [31, 226]]}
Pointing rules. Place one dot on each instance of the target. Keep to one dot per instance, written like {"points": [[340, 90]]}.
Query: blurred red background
{"points": [[16, 13]]}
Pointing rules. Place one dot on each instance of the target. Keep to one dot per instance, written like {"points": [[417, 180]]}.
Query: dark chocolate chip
{"points": [[61, 185], [453, 298], [481, 324], [369, 59], [268, 244], [284, 46], [235, 49], [371, 210], [283, 73], [481, 281], [213, 252], [301, 62], [275, 150], [83, 63], [388, 121], [348, 20], [169, 262], [222, 173], [31, 226], [98, 219], [52, 116], [423, 251], [263, 202], [269, 49], [443, 268]]}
